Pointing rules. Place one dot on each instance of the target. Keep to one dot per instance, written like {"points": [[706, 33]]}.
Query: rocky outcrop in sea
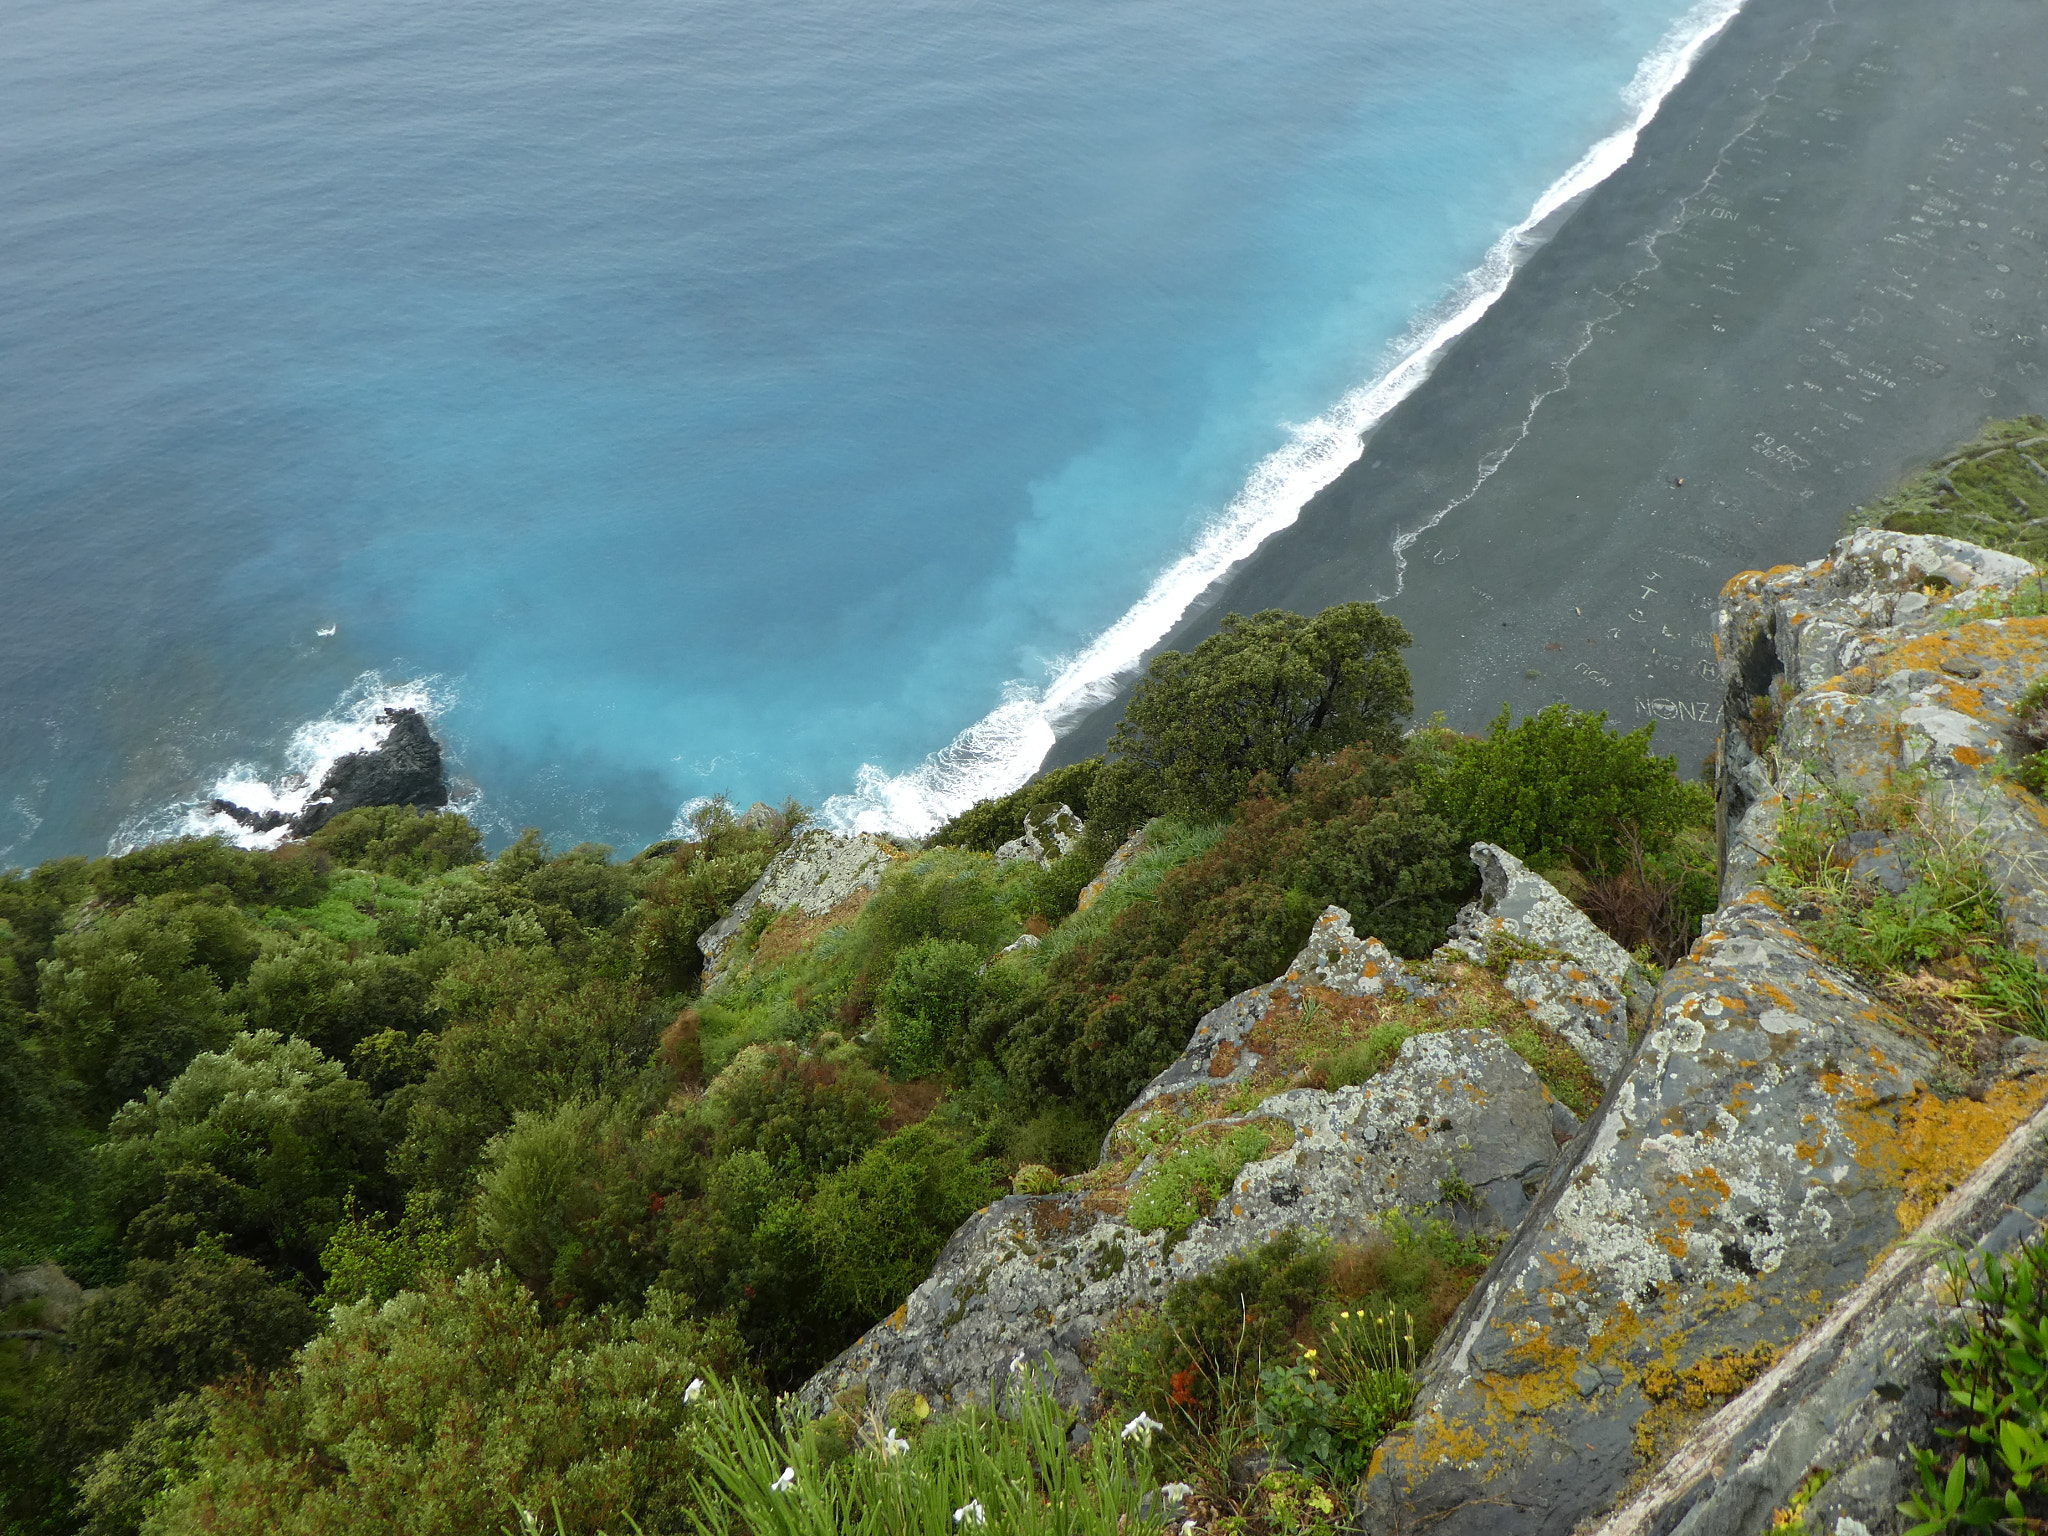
{"points": [[405, 768]]}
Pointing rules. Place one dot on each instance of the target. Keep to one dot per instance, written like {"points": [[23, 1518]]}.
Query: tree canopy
{"points": [[1264, 694]]}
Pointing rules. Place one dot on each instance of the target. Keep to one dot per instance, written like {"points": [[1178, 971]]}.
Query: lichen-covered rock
{"points": [[1041, 1275], [1113, 871], [1050, 832], [1772, 1135], [1585, 987], [1859, 1392], [1222, 1050], [818, 874], [1886, 658]]}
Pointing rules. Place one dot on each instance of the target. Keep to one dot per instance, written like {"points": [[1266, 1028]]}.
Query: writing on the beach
{"points": [[1676, 709]]}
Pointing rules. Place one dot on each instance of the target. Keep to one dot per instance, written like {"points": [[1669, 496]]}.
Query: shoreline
{"points": [[1813, 225]]}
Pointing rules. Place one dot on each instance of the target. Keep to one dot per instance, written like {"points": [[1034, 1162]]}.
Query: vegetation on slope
{"points": [[421, 1186]]}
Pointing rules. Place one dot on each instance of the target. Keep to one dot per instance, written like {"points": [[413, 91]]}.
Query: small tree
{"points": [[1263, 695], [1561, 787]]}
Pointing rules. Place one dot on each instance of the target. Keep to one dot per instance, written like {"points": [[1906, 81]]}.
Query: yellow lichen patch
{"points": [[1679, 1399], [1941, 1142]]}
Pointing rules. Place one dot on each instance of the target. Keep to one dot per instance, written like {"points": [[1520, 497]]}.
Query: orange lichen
{"points": [[1941, 1142]]}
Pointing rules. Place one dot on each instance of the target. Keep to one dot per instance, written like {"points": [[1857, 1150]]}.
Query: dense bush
{"points": [[987, 824], [262, 1142], [288, 876], [930, 995], [132, 995], [172, 1326], [1264, 694], [1561, 788], [403, 840], [457, 1411]]}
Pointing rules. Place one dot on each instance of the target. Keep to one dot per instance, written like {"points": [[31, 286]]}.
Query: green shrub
{"points": [[122, 1486], [288, 876], [798, 1111], [570, 1199], [370, 1258], [306, 984], [133, 996], [403, 840], [878, 1224], [459, 1410], [170, 1328], [931, 993], [1192, 1178], [264, 1142], [1561, 788], [1996, 1374], [1264, 694]]}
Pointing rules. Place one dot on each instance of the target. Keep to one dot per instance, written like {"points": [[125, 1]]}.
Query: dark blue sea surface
{"points": [[694, 398]]}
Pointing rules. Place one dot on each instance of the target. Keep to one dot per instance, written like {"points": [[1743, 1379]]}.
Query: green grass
{"points": [[1993, 490]]}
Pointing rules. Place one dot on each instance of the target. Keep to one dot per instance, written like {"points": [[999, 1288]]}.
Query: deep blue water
{"points": [[693, 397]]}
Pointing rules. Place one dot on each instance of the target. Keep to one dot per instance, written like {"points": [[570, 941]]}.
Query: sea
{"points": [[688, 398]]}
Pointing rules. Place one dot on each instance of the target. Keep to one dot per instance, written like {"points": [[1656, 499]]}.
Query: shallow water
{"points": [[713, 399]]}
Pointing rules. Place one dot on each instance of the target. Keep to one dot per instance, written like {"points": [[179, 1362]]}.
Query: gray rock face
{"points": [[1771, 1136], [1042, 1274], [1859, 1392], [1221, 1051], [817, 874], [1049, 833], [1872, 676]]}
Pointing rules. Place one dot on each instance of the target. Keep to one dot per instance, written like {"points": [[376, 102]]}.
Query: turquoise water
{"points": [[698, 398]]}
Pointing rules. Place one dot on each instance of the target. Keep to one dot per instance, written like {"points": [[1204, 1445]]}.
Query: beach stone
{"points": [[1772, 1135], [1113, 871], [1049, 833], [1039, 1276], [819, 874]]}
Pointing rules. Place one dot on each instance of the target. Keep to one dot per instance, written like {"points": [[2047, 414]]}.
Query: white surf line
{"points": [[1003, 749], [1490, 465]]}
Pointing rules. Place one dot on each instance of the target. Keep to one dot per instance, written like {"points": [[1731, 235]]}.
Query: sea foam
{"points": [[1000, 751]]}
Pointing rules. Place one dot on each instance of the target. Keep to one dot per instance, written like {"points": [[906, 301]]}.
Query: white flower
{"points": [[970, 1513], [1188, 1528], [1176, 1493], [893, 1444], [1017, 1362], [694, 1390], [1142, 1428], [784, 1483], [528, 1523]]}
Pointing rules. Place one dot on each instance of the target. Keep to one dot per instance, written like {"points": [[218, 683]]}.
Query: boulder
{"points": [[1772, 1136], [821, 874], [1843, 674], [1119, 862], [1050, 832], [1040, 1275], [1583, 984]]}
